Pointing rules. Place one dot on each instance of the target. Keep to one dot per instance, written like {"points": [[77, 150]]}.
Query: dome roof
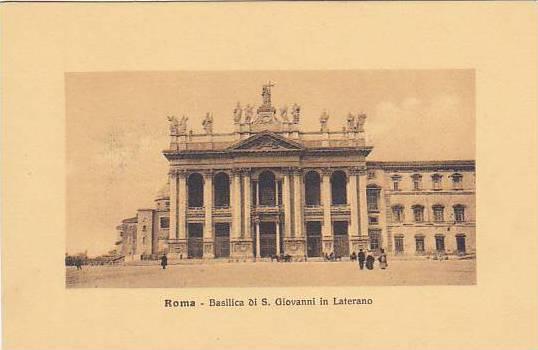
{"points": [[164, 192]]}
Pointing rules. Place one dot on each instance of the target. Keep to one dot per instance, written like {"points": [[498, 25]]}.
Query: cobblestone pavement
{"points": [[267, 274]]}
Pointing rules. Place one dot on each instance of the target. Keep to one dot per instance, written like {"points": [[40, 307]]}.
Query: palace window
{"points": [[374, 239], [436, 181], [438, 213], [398, 244], [417, 182], [459, 213], [440, 243], [460, 243], [373, 220], [396, 182], [372, 198], [418, 213], [419, 244], [164, 222], [397, 213], [167, 204], [457, 181]]}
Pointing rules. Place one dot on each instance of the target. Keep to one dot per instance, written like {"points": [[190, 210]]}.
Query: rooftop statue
{"points": [[361, 118], [323, 121], [295, 112], [207, 123], [238, 112], [266, 93], [177, 127], [284, 114], [249, 111], [350, 126]]}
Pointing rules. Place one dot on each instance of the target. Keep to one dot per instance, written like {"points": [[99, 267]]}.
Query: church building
{"points": [[269, 188]]}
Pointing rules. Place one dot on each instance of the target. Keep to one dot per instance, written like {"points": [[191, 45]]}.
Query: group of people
{"points": [[368, 260]]}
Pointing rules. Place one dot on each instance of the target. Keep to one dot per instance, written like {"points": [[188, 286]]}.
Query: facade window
{"points": [[372, 198], [418, 213], [374, 239], [438, 213], [436, 181], [457, 181], [459, 213], [167, 204], [440, 243], [372, 220], [397, 213], [371, 174], [419, 244], [398, 244], [396, 182], [460, 244], [164, 222], [417, 182]]}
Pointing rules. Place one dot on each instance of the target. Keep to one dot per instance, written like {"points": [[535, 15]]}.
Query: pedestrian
{"points": [[383, 260], [331, 256], [353, 256], [361, 257], [78, 263], [370, 261], [164, 261]]}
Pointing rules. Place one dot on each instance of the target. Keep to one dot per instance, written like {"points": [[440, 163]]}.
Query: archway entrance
{"points": [[194, 241], [222, 240], [341, 239], [267, 239], [313, 238]]}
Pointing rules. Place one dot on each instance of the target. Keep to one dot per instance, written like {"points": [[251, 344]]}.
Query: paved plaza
{"points": [[267, 274]]}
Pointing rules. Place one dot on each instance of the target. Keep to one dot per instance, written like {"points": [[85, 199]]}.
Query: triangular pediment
{"points": [[266, 141]]}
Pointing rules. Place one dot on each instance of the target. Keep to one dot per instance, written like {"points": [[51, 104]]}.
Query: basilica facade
{"points": [[269, 188]]}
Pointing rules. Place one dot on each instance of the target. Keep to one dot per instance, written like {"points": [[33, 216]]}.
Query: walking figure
{"points": [[164, 262], [370, 261], [383, 260], [361, 257]]}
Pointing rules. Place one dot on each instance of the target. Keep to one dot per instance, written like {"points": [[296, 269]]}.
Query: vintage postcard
{"points": [[261, 175]]}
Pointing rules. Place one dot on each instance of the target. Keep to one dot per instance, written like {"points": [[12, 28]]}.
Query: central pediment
{"points": [[266, 141]]}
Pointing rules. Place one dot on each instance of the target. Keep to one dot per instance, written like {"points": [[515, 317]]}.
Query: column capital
{"points": [[177, 173], [208, 172], [326, 171], [357, 171]]}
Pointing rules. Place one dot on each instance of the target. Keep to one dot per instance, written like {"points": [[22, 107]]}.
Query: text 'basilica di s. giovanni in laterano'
{"points": [[269, 188]]}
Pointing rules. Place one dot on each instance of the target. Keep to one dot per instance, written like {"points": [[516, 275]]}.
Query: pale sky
{"points": [[117, 127]]}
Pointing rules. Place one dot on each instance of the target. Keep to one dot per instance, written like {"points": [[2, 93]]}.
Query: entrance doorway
{"points": [[341, 239], [313, 238], [267, 239], [222, 240], [194, 241], [460, 244]]}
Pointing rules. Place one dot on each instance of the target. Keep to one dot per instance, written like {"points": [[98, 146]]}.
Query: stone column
{"points": [[298, 203], [257, 238], [286, 198], [172, 232], [208, 208], [247, 200], [327, 229], [235, 204], [353, 200], [278, 238]]}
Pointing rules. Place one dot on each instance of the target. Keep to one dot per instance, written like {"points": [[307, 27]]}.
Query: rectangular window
{"points": [[418, 212], [374, 239], [436, 180], [396, 185], [438, 214], [397, 214], [372, 199], [419, 244], [440, 243], [372, 220], [457, 182], [165, 222], [460, 244], [459, 214], [398, 244]]}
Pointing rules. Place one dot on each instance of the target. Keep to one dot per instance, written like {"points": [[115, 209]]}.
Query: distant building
{"points": [[268, 189]]}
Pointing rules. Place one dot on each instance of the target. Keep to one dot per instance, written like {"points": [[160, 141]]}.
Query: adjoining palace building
{"points": [[269, 188]]}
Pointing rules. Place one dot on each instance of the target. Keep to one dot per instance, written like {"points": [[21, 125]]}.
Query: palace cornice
{"points": [[423, 165], [192, 154]]}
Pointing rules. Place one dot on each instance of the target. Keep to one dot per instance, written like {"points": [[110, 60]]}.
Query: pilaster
{"points": [[208, 209]]}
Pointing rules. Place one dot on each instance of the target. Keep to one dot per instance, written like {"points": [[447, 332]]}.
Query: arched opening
{"points": [[221, 185], [267, 188], [338, 187], [312, 188], [195, 185]]}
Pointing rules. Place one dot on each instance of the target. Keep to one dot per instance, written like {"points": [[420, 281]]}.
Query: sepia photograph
{"points": [[270, 178]]}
